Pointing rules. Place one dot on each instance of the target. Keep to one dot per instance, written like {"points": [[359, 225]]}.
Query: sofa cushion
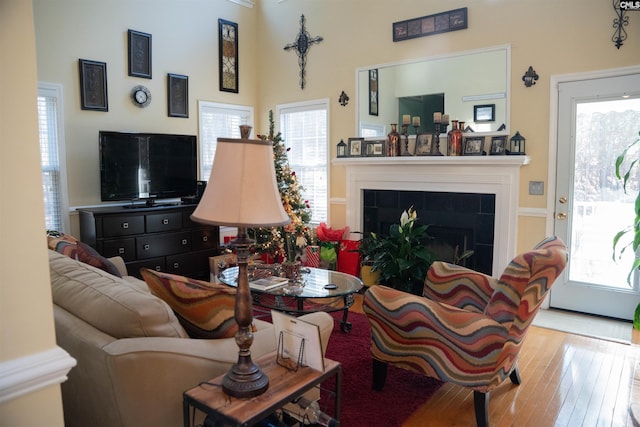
{"points": [[205, 310], [109, 303], [75, 249], [90, 256]]}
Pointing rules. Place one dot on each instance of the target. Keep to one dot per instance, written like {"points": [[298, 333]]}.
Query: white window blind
{"points": [[219, 121], [305, 129], [52, 156]]}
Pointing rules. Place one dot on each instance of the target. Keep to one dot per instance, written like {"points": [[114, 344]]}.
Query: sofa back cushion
{"points": [[109, 303]]}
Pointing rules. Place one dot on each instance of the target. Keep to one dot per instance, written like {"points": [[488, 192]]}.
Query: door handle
{"points": [[561, 216], [562, 200]]}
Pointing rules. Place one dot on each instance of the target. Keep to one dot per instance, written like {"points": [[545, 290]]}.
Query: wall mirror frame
{"points": [[466, 78]]}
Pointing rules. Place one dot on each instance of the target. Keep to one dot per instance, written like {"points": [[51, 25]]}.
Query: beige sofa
{"points": [[134, 358]]}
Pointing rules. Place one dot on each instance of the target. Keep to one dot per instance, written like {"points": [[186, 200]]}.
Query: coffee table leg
{"points": [[344, 325]]}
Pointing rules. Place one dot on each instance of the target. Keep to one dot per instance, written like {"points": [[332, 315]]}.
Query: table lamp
{"points": [[243, 192]]}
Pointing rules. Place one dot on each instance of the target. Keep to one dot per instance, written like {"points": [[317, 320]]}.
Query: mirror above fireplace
{"points": [[467, 79]]}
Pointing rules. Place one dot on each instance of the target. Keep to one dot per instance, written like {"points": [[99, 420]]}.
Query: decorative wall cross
{"points": [[301, 45]]}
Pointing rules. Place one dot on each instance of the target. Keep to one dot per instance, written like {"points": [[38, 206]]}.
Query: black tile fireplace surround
{"points": [[463, 220]]}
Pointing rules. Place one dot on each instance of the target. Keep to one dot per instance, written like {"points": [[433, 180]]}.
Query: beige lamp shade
{"points": [[242, 190]]}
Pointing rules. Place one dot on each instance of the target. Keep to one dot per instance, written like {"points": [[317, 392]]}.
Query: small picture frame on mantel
{"points": [[355, 147]]}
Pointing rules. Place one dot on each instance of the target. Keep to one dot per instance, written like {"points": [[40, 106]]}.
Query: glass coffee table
{"points": [[317, 290]]}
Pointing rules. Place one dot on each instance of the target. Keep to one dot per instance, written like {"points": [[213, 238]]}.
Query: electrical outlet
{"points": [[536, 188]]}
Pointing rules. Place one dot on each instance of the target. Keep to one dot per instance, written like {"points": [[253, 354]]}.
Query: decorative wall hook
{"points": [[530, 77], [620, 21], [344, 99]]}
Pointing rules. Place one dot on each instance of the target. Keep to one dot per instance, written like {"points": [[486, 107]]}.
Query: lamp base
{"points": [[245, 380]]}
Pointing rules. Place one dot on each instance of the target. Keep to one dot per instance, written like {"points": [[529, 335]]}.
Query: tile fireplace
{"points": [[489, 182]]}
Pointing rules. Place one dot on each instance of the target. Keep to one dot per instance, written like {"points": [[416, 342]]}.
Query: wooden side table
{"points": [[284, 386]]}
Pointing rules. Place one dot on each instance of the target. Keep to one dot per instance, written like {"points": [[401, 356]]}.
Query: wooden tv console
{"points": [[162, 238]]}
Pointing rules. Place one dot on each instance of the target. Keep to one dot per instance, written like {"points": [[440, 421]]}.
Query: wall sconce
{"points": [[530, 77], [517, 144], [342, 149], [344, 99]]}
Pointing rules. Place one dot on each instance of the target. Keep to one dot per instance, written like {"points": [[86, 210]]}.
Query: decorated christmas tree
{"points": [[285, 242]]}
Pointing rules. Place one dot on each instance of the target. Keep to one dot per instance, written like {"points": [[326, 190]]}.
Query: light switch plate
{"points": [[536, 188]]}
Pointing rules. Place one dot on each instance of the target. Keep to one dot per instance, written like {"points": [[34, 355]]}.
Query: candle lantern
{"points": [[342, 149], [517, 144]]}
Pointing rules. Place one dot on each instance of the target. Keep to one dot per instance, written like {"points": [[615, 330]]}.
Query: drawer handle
{"points": [[120, 251], [176, 265], [184, 242], [165, 221], [157, 268], [146, 247], [125, 225], [205, 238]]}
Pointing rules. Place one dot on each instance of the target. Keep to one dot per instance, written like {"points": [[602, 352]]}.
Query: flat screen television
{"points": [[147, 166]]}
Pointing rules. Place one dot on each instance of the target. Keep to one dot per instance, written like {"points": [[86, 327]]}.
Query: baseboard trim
{"points": [[34, 372]]}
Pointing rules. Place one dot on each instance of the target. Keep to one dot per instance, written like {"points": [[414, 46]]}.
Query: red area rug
{"points": [[402, 394]]}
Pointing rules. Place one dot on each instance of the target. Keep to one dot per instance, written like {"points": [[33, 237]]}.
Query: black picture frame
{"points": [[177, 95], [93, 85], [139, 54], [484, 113], [443, 22], [498, 146], [355, 147], [228, 56], [375, 148], [473, 146], [373, 92], [424, 145]]}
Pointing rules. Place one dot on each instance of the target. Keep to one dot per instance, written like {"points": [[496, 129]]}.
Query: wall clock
{"points": [[141, 96]]}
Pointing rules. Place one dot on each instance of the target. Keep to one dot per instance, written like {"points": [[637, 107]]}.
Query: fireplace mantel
{"points": [[499, 175]]}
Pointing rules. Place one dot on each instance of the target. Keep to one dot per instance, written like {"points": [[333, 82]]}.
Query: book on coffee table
{"points": [[266, 283]]}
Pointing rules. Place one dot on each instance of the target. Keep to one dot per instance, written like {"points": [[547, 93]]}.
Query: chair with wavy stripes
{"points": [[468, 328]]}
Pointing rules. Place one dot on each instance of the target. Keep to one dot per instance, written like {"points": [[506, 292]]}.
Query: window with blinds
{"points": [[305, 129], [219, 121], [51, 157]]}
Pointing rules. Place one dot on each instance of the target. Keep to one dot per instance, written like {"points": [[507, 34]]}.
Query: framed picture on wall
{"points": [[139, 54], [178, 95], [484, 113], [228, 55], [93, 85], [373, 92]]}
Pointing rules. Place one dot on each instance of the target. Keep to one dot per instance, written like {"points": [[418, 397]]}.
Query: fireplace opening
{"points": [[457, 222]]}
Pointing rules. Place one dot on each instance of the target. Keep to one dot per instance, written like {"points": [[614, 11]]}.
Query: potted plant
{"points": [[631, 234], [402, 257], [368, 249]]}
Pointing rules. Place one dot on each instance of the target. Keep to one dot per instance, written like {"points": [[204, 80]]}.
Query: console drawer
{"points": [[205, 238], [163, 244], [126, 248], [120, 225], [157, 264], [166, 221]]}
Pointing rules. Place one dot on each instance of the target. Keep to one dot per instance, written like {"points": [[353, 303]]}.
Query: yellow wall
{"points": [[555, 37], [26, 314]]}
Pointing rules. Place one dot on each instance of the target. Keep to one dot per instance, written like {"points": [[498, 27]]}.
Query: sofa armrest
{"points": [[459, 286]]}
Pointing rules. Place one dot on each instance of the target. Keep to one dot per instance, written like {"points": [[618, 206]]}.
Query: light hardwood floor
{"points": [[567, 380]]}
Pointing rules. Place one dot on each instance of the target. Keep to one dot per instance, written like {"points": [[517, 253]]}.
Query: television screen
{"points": [[147, 166]]}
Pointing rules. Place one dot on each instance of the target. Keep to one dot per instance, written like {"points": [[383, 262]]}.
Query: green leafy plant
{"points": [[629, 237], [401, 257]]}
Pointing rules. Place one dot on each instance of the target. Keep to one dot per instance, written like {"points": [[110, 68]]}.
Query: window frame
{"points": [[54, 90], [316, 104]]}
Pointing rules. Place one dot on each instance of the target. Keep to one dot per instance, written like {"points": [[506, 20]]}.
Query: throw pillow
{"points": [[90, 256], [204, 309], [63, 244]]}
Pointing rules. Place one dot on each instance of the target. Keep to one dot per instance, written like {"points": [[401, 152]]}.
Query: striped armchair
{"points": [[468, 328]]}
